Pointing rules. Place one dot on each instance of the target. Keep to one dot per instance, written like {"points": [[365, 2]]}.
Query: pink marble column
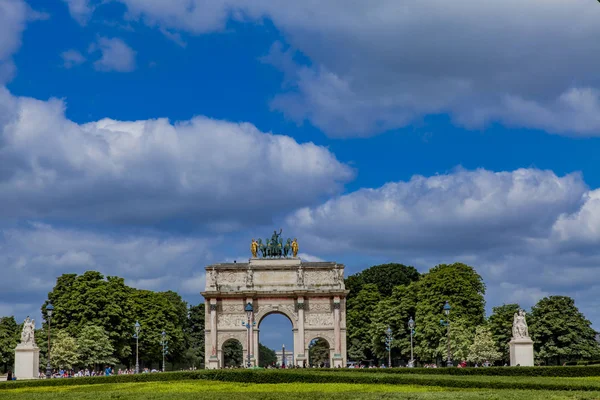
{"points": [[213, 326], [336, 324]]}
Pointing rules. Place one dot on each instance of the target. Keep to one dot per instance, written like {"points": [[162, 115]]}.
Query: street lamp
{"points": [[411, 326], [446, 323], [388, 343], [283, 355], [137, 342], [49, 310], [165, 348], [249, 310]]}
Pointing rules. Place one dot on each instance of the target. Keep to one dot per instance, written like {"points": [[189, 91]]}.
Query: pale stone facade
{"points": [[311, 295]]}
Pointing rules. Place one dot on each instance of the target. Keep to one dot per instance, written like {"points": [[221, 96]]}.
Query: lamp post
{"points": [[249, 324], [165, 348], [388, 343], [446, 323], [49, 310], [137, 342], [283, 355], [411, 326]]}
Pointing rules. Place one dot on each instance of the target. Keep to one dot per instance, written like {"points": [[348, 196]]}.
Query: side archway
{"points": [[320, 353], [233, 353]]}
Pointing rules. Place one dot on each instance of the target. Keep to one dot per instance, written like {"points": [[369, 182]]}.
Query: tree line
{"points": [[94, 318], [389, 295]]}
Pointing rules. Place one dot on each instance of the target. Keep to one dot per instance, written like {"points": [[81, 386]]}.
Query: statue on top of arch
{"points": [[274, 247]]}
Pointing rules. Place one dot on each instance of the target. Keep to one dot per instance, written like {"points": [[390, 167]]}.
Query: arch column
{"points": [[213, 360], [299, 338], [338, 359]]}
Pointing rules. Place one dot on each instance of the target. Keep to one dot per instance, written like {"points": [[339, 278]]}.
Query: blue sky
{"points": [[150, 138]]}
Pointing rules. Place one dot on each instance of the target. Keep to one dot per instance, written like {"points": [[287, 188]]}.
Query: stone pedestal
{"points": [[27, 362], [338, 361], [521, 352], [213, 363]]}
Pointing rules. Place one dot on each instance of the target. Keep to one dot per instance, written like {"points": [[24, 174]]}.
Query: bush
{"points": [[565, 372]]}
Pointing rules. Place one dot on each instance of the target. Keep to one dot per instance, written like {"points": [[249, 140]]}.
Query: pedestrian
{"points": [[9, 376]]}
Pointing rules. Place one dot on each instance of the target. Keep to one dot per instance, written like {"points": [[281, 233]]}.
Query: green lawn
{"points": [[183, 390]]}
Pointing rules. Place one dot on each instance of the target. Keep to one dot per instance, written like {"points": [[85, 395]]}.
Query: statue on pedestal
{"points": [[295, 248], [254, 248], [521, 345]]}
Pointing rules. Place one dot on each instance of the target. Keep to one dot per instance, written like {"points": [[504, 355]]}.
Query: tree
{"points": [[484, 347], [385, 276], [461, 338], [194, 336], [94, 347], [318, 352], [9, 338], [359, 311], [561, 332], [64, 352], [463, 288], [233, 353], [266, 356], [394, 312], [500, 324]]}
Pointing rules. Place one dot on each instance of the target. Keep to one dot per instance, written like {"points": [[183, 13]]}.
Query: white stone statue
{"points": [[249, 277], [300, 276], [520, 329], [212, 278], [28, 333]]}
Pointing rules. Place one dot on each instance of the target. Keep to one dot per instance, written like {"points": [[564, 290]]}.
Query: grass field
{"points": [[307, 384], [184, 390]]}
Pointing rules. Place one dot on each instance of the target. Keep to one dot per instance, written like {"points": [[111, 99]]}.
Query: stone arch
{"points": [[224, 359], [311, 295], [329, 345]]}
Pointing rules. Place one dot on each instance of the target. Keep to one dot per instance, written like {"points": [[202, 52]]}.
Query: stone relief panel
{"points": [[314, 306], [274, 278], [319, 319], [225, 336], [232, 307], [231, 278], [318, 277], [230, 320]]}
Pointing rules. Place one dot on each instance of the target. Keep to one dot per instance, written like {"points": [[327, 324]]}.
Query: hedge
{"points": [[319, 376], [564, 372]]}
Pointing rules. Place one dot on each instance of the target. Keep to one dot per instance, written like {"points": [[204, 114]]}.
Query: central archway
{"points": [[275, 331]]}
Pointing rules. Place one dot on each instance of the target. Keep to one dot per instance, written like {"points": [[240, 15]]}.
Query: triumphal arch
{"points": [[311, 295]]}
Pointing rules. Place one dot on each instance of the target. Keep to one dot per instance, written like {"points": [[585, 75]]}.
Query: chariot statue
{"points": [[275, 247]]}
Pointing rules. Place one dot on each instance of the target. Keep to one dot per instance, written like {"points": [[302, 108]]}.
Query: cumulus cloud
{"points": [[13, 17], [80, 10], [116, 55], [383, 64], [34, 254], [199, 173], [72, 58], [528, 232]]}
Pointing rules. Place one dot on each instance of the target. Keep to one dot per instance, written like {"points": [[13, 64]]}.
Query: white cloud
{"points": [[35, 254], [13, 16], [72, 58], [116, 55], [80, 10], [383, 64], [199, 173], [529, 233]]}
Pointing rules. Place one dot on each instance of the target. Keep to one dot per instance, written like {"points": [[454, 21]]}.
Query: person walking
{"points": [[9, 375]]}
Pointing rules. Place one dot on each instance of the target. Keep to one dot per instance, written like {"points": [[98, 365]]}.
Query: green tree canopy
{"points": [[463, 288], [561, 332], [9, 338], [461, 338], [385, 277], [500, 324], [64, 351], [194, 335], [359, 311], [484, 347], [266, 356], [94, 348], [318, 352]]}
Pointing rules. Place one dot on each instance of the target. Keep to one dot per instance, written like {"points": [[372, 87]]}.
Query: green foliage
{"points": [[385, 277], [394, 311], [94, 348], [359, 311], [266, 356], [9, 338], [194, 336], [484, 347], [318, 352], [461, 338], [561, 332], [500, 324], [64, 351], [464, 289], [233, 353]]}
